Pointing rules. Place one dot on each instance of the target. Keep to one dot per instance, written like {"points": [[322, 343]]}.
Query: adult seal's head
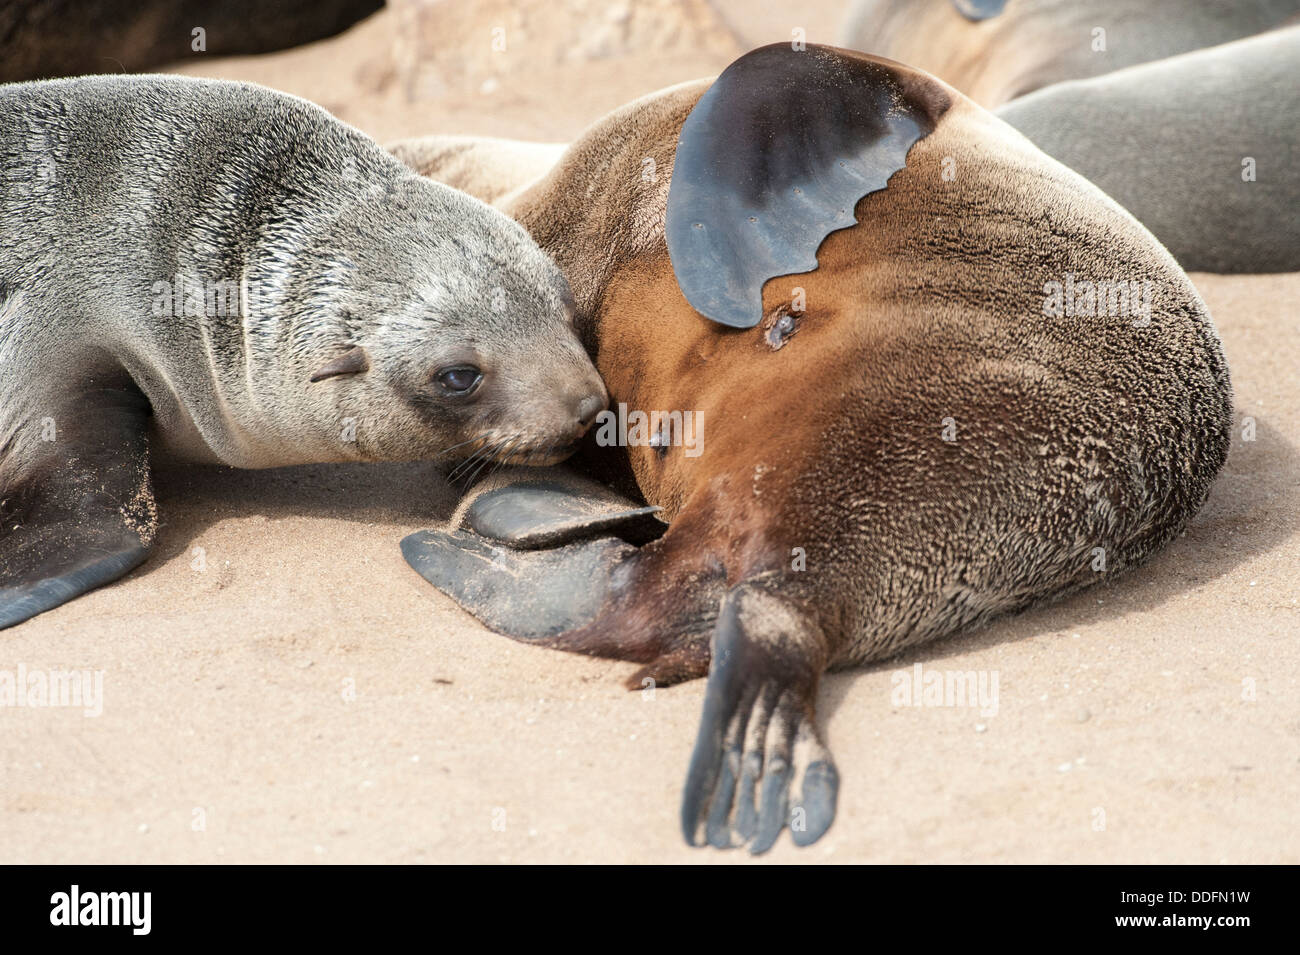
{"points": [[931, 375], [234, 276]]}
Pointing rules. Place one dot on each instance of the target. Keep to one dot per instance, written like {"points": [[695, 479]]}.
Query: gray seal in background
{"points": [[44, 39], [1201, 148], [232, 275], [994, 52]]}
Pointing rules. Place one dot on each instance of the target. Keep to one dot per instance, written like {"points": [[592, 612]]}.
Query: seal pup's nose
{"points": [[588, 408]]}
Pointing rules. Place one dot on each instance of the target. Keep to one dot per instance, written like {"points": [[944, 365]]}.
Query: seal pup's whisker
{"points": [[493, 455], [478, 438], [485, 444]]}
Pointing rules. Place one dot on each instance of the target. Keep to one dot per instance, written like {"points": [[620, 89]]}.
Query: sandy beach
{"points": [[279, 686]]}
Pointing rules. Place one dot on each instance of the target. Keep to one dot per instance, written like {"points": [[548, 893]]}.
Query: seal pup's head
{"points": [[454, 332]]}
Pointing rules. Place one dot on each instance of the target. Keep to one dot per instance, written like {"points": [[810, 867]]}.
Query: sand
{"points": [[278, 686]]}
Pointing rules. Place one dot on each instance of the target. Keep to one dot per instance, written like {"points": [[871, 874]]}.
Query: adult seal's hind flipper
{"points": [[759, 747], [758, 738], [773, 158], [84, 514]]}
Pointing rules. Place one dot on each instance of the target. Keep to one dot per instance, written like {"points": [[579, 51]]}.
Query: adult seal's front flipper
{"points": [[525, 594], [533, 557], [549, 513]]}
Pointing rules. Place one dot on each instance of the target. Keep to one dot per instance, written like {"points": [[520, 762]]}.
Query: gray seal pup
{"points": [[232, 276], [996, 50], [908, 373], [1201, 148]]}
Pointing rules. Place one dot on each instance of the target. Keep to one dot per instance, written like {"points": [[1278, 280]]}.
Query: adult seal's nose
{"points": [[588, 408]]}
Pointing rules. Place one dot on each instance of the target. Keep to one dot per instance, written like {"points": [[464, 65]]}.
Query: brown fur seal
{"points": [[936, 424], [233, 276], [996, 50]]}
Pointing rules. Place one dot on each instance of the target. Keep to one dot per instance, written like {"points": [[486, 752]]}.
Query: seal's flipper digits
{"points": [[528, 595], [758, 734], [85, 515], [539, 514]]}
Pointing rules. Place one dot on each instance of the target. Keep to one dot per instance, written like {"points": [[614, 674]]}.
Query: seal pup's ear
{"points": [[351, 362], [774, 157]]}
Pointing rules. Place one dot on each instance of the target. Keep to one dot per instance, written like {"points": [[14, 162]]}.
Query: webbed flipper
{"points": [[76, 505], [758, 736], [532, 554], [541, 514], [525, 594]]}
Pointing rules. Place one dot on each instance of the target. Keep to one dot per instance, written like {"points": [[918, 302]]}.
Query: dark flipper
{"points": [[548, 513], [653, 604], [758, 733], [774, 157], [529, 595], [57, 571], [536, 556], [77, 510]]}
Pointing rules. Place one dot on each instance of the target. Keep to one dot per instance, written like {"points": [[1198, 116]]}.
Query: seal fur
{"points": [[1020, 46], [188, 265], [831, 520]]}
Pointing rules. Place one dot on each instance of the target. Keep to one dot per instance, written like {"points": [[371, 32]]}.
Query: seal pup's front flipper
{"points": [[758, 733], [76, 505]]}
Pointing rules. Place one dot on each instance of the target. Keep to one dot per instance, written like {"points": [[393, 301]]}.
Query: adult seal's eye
{"points": [[459, 381]]}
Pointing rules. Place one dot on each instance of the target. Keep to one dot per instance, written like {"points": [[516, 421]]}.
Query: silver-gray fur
{"points": [[1199, 147], [188, 256], [1034, 43]]}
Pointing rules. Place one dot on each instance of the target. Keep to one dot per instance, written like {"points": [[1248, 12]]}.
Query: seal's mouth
{"points": [[489, 453], [538, 457]]}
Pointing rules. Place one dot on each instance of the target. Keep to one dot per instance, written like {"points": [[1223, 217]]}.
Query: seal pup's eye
{"points": [[459, 380]]}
